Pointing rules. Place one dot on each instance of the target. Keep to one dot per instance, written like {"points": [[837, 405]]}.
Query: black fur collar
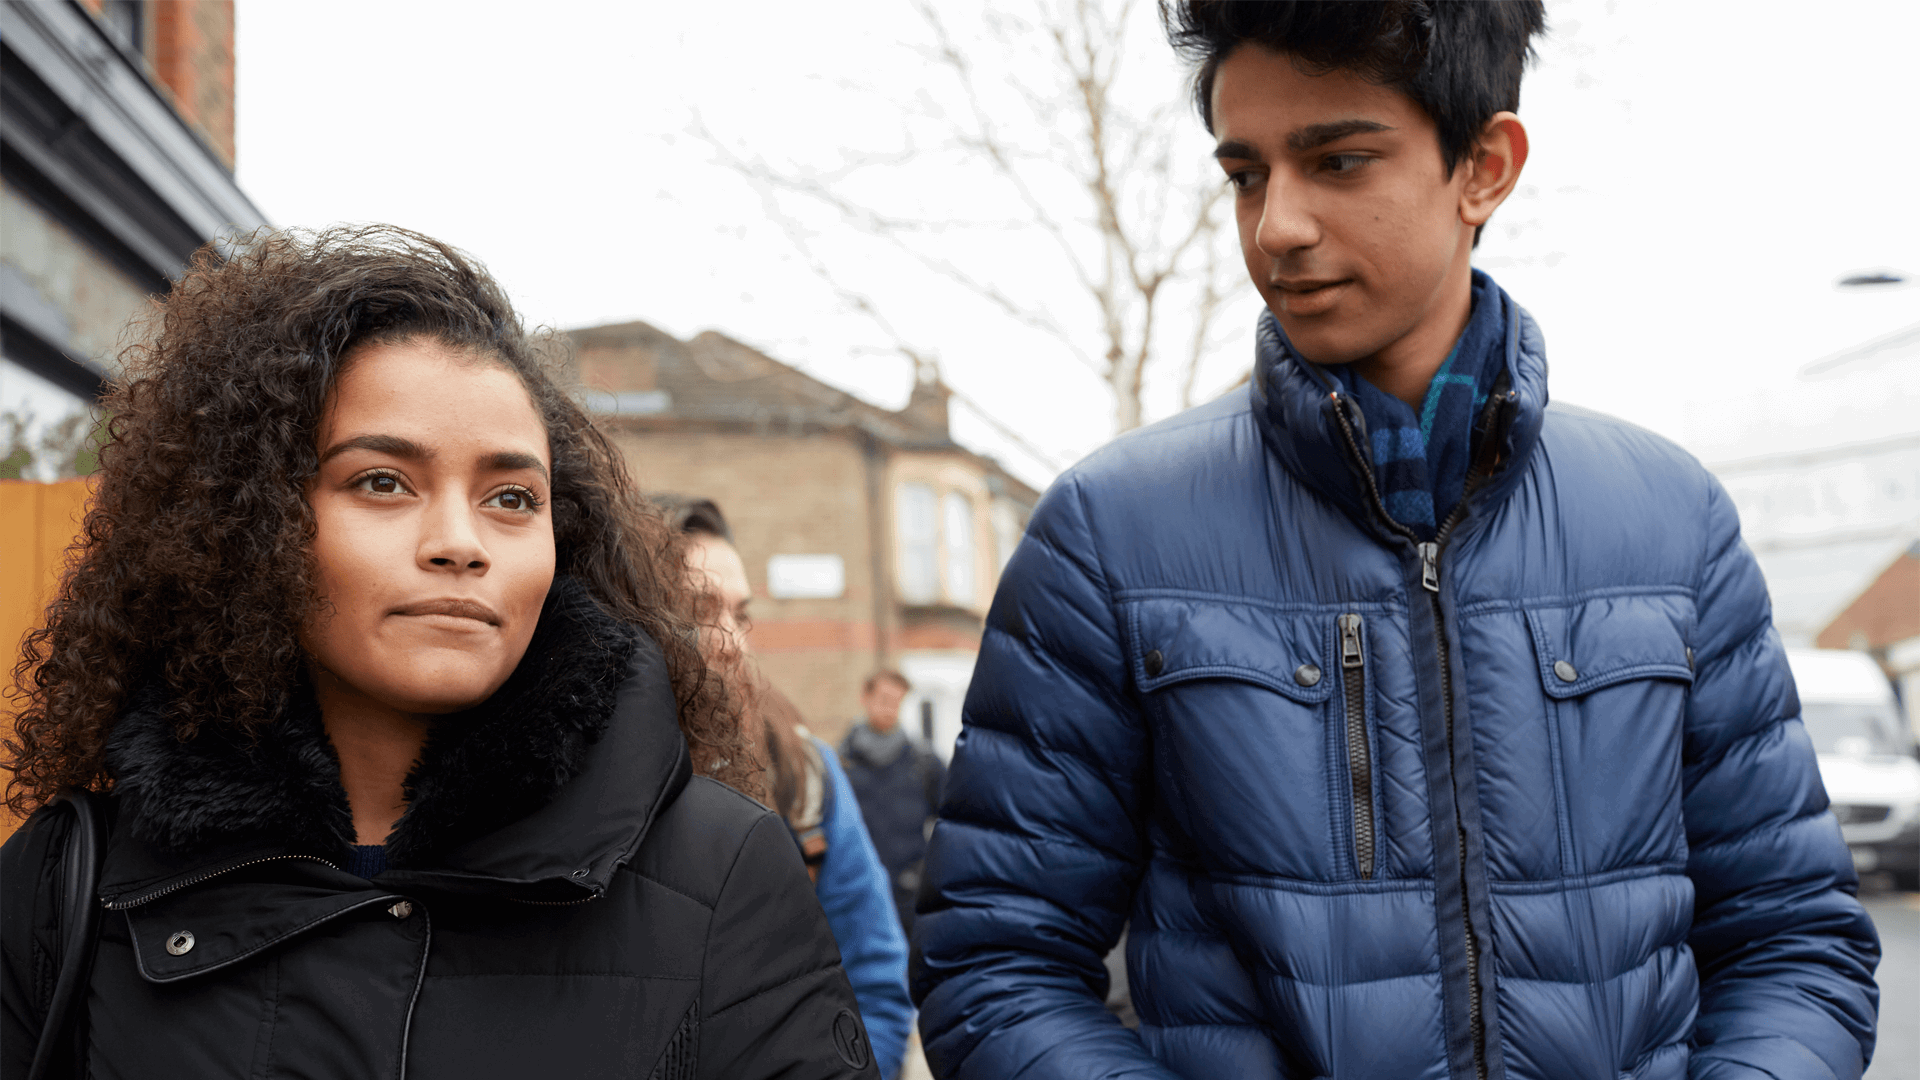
{"points": [[480, 770]]}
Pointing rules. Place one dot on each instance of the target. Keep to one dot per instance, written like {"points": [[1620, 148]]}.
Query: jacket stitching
{"points": [[1563, 600], [141, 960], [1754, 835], [810, 973], [1287, 606], [644, 876], [272, 1020]]}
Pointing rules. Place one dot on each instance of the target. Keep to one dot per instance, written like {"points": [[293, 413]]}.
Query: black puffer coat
{"points": [[564, 899]]}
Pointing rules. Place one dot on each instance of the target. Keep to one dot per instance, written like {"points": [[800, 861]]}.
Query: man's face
{"points": [[1350, 226], [883, 705]]}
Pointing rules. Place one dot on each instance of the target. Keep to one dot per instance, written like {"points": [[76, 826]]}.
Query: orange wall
{"points": [[37, 522]]}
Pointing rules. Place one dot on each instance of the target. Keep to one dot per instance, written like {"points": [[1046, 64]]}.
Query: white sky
{"points": [[1701, 175]]}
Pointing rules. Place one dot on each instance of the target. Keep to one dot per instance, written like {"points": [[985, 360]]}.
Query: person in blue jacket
{"points": [[1416, 727], [811, 791]]}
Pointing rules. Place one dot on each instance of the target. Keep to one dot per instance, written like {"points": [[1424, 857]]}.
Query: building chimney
{"points": [[927, 407]]}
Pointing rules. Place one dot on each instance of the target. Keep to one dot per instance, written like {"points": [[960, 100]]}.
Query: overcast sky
{"points": [[1701, 175]]}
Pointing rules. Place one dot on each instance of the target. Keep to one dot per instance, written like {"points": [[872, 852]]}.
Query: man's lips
{"points": [[1306, 285], [1308, 297], [462, 609]]}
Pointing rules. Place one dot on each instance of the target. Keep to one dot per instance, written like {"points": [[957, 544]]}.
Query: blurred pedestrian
{"points": [[1412, 726], [403, 759], [898, 781], [812, 794]]}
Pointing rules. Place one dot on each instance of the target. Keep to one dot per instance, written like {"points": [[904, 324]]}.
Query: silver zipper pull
{"points": [[1350, 654], [1430, 567]]}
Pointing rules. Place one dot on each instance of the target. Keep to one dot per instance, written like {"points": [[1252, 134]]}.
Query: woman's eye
{"points": [[518, 500], [381, 484]]}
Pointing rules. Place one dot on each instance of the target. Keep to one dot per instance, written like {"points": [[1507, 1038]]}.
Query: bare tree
{"points": [[1120, 199]]}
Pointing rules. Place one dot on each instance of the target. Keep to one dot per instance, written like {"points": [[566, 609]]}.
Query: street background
{"points": [[839, 268]]}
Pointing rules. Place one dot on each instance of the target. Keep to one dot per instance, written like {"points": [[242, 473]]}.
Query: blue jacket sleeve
{"points": [[858, 901], [1786, 953], [1040, 841]]}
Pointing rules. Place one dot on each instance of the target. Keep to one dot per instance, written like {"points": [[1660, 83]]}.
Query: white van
{"points": [[1866, 758]]}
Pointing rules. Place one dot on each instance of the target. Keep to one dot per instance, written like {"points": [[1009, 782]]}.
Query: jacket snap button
{"points": [[1155, 662], [181, 943], [582, 872], [1565, 672], [1306, 674], [401, 910]]}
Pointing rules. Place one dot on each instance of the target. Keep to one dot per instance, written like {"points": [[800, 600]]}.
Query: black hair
{"points": [[1460, 60], [692, 514]]}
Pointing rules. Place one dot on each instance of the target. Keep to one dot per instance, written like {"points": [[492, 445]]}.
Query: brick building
{"points": [[871, 538], [116, 163], [1884, 620]]}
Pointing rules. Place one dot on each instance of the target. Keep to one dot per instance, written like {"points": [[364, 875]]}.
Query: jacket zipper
{"points": [[145, 898], [1430, 553], [1353, 673]]}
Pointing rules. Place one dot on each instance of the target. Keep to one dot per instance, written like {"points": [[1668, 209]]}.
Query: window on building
{"points": [[1007, 531], [918, 526], [124, 22], [960, 548]]}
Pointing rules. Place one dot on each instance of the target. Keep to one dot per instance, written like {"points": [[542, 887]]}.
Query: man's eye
{"points": [[1242, 180], [1345, 163]]}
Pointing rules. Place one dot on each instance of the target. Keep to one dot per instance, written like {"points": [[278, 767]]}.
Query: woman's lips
{"points": [[459, 609], [1305, 298]]}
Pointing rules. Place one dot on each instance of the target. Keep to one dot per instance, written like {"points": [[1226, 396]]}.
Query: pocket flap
{"points": [[1176, 639], [1595, 643]]}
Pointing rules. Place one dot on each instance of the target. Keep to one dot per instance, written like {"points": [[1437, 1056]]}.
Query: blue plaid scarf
{"points": [[1420, 461]]}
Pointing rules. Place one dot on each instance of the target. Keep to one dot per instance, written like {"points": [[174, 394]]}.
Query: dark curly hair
{"points": [[193, 572], [1460, 60]]}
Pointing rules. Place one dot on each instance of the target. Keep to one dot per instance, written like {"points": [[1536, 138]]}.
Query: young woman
{"points": [[393, 688], [806, 783]]}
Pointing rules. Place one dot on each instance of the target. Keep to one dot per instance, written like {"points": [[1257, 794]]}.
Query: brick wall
{"points": [[188, 45], [793, 495], [191, 53]]}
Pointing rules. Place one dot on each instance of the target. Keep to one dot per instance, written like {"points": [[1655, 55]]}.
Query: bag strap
{"points": [[816, 805], [80, 861]]}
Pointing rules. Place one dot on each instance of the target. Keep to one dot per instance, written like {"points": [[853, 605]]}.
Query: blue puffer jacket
{"points": [[1535, 803]]}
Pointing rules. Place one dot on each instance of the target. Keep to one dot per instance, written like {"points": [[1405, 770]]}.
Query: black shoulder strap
{"points": [[929, 769], [80, 863]]}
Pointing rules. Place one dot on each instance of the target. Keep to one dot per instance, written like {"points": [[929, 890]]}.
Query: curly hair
{"points": [[193, 571]]}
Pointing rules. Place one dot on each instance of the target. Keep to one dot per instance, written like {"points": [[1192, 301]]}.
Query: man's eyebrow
{"points": [[1314, 136], [514, 459], [395, 445], [1237, 150]]}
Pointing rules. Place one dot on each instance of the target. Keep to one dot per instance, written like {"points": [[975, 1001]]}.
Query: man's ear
{"points": [[1498, 156]]}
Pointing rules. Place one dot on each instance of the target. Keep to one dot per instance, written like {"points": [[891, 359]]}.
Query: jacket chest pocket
{"points": [[1615, 672], [1263, 739]]}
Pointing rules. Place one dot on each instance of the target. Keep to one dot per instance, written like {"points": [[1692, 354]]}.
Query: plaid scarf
{"points": [[1420, 461]]}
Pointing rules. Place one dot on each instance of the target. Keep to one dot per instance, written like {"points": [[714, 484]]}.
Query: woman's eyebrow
{"points": [[505, 460], [396, 445]]}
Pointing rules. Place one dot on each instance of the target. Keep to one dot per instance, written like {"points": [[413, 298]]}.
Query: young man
{"points": [[1420, 729], [898, 784]]}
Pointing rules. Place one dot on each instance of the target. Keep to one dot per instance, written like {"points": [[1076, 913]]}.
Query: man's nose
{"points": [[1287, 222]]}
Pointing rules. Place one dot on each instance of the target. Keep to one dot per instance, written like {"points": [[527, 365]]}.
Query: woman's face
{"points": [[717, 567], [433, 536]]}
